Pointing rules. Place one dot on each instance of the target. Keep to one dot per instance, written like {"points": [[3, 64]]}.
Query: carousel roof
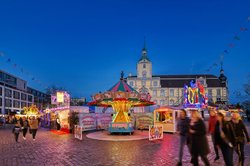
{"points": [[121, 92], [122, 86]]}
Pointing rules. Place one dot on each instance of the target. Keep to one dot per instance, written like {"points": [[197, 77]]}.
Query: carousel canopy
{"points": [[121, 86], [121, 91]]}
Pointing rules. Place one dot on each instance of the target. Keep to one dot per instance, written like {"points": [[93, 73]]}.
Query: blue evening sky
{"points": [[83, 45]]}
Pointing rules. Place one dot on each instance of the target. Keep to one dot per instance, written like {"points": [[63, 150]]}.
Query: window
{"points": [[16, 104], [8, 93], [8, 103], [171, 92], [30, 98], [23, 104], [1, 89], [155, 83], [171, 102], [144, 66], [210, 93], [162, 102], [218, 99], [218, 91], [0, 101], [23, 96], [154, 93], [131, 83], [16, 95], [10, 80], [162, 92]]}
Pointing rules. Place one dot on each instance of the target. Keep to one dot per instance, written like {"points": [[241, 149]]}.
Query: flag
{"points": [[33, 78], [243, 29], [236, 38], [226, 51], [9, 60], [1, 53], [231, 45]]}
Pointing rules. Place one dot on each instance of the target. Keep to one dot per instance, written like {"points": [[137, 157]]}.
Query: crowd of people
{"points": [[25, 125], [227, 131]]}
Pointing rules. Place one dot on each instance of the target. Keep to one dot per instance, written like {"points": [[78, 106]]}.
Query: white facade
{"points": [[14, 100], [13, 94]]}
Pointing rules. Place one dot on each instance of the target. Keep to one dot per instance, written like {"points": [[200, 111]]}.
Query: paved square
{"points": [[52, 149]]}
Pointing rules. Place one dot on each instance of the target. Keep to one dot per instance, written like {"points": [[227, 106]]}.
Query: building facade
{"points": [[14, 94], [41, 100], [168, 89]]}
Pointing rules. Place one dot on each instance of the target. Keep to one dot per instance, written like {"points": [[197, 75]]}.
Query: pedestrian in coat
{"points": [[240, 133], [25, 126], [211, 127], [16, 130], [182, 130], [33, 127], [198, 139], [225, 138]]}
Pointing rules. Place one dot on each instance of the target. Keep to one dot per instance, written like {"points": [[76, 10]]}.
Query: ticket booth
{"points": [[166, 117]]}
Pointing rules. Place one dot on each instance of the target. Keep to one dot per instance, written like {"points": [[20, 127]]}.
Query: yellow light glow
{"points": [[60, 97]]}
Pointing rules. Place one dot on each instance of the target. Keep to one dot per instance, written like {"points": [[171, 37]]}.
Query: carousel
{"points": [[121, 97]]}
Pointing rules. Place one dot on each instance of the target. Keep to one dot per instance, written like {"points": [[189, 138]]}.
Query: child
{"points": [[16, 130]]}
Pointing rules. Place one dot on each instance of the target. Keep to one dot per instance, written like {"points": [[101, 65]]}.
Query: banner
{"points": [[103, 120], [87, 121], [78, 132], [155, 132], [144, 120]]}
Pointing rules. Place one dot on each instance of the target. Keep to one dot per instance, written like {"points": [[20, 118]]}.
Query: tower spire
{"points": [[144, 50], [221, 64], [144, 46]]}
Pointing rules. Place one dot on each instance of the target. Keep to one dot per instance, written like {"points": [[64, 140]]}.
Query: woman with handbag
{"points": [[225, 138], [240, 133]]}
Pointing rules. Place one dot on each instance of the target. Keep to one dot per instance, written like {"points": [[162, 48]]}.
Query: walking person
{"points": [[240, 133], [182, 129], [25, 126], [211, 127], [58, 126], [198, 139], [16, 130], [225, 138], [33, 123]]}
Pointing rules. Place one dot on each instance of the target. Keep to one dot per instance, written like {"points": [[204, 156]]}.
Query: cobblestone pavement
{"points": [[52, 149]]}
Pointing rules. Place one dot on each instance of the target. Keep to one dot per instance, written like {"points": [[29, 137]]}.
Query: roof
{"points": [[122, 86], [180, 80], [180, 83], [183, 76], [187, 76]]}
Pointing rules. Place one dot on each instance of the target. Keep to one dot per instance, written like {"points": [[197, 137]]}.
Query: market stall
{"points": [[166, 117], [59, 115]]}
